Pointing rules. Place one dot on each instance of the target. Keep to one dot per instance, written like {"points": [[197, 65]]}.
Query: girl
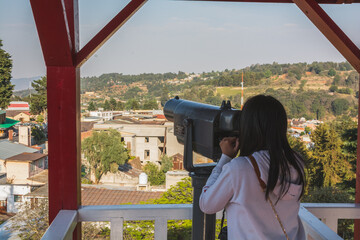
{"points": [[234, 185]]}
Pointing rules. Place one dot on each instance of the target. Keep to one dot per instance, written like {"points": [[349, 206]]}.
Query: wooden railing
{"points": [[65, 222]]}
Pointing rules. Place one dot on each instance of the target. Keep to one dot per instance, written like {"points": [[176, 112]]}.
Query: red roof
{"points": [[18, 105], [160, 116], [101, 196]]}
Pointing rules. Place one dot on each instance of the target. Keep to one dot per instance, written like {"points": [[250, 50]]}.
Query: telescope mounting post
{"points": [[203, 225]]}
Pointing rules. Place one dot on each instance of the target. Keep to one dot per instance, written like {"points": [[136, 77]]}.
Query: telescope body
{"points": [[209, 124]]}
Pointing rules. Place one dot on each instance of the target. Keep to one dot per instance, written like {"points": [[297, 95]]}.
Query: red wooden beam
{"points": [[100, 38], [357, 191], [331, 31], [72, 16], [63, 93], [53, 31]]}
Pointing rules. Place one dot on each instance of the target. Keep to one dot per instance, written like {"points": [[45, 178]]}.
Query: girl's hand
{"points": [[230, 146]]}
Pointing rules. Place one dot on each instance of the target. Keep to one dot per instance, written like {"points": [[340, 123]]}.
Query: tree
{"points": [[112, 104], [332, 72], [150, 104], [339, 106], [333, 88], [336, 80], [181, 193], [38, 133], [328, 165], [32, 220], [38, 100], [40, 118], [120, 106], [132, 104], [166, 163], [106, 105], [6, 88], [155, 175], [103, 150], [91, 106]]}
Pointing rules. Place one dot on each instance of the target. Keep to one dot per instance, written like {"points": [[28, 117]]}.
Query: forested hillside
{"points": [[319, 90]]}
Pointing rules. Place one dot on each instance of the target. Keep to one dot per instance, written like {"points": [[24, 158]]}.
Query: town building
{"points": [[18, 106], [22, 116], [146, 140]]}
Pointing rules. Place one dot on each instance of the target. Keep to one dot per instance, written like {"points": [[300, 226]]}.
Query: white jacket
{"points": [[233, 185]]}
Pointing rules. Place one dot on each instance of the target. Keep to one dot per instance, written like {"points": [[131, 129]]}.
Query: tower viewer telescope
{"points": [[200, 127]]}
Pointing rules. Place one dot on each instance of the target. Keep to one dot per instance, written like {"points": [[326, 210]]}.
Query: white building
{"points": [[147, 141], [12, 196], [105, 115]]}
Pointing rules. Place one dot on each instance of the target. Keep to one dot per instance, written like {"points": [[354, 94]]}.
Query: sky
{"points": [[171, 36]]}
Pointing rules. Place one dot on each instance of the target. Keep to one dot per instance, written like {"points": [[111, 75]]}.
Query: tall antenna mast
{"points": [[242, 90], [29, 89]]}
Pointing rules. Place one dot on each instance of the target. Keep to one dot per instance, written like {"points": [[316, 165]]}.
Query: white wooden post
{"points": [[116, 228]]}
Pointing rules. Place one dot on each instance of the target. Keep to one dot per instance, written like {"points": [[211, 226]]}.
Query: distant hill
{"points": [[24, 93], [310, 90], [23, 83]]}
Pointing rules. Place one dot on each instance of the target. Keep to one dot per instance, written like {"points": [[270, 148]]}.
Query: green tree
{"points": [[155, 175], [181, 193], [132, 104], [39, 134], [332, 72], [333, 88], [150, 104], [113, 104], [166, 163], [38, 100], [91, 106], [328, 165], [6, 88], [102, 150], [336, 80], [339, 106], [107, 105], [40, 118], [119, 106], [164, 95]]}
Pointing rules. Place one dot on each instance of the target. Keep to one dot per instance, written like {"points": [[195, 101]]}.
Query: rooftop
{"points": [[13, 113], [8, 123], [26, 157], [9, 149], [102, 196]]}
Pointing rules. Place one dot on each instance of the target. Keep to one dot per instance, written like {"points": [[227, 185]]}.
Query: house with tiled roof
{"points": [[19, 106], [99, 195], [9, 149], [25, 165], [22, 116]]}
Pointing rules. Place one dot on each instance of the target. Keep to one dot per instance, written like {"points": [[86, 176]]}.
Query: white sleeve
{"points": [[215, 197], [217, 170]]}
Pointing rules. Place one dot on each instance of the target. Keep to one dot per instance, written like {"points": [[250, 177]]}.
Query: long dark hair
{"points": [[263, 126]]}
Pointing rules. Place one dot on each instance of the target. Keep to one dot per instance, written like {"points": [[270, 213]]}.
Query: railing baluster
{"points": [[160, 229], [332, 223], [116, 228]]}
